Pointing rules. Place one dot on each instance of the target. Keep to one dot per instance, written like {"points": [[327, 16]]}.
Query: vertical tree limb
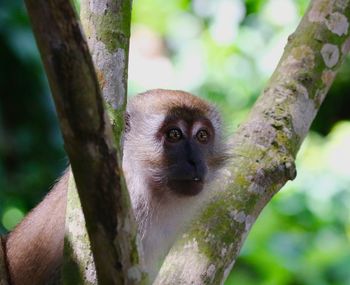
{"points": [[3, 268], [107, 27], [264, 147], [88, 138], [78, 266]]}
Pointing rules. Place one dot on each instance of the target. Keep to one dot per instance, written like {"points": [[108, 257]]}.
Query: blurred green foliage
{"points": [[31, 152], [222, 50]]}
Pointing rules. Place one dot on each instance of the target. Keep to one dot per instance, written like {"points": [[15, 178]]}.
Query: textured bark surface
{"points": [[264, 147], [106, 25], [88, 139], [107, 28], [3, 270], [79, 266]]}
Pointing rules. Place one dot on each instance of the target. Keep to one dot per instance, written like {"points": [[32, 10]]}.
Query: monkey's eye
{"points": [[202, 136], [174, 135]]}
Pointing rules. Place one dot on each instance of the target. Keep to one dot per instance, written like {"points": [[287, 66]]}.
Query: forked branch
{"points": [[89, 140]]}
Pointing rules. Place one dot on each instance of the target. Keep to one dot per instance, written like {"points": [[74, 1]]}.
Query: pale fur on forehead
{"points": [[160, 101]]}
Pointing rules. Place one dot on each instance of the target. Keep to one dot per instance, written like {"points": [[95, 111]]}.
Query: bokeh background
{"points": [[224, 51]]}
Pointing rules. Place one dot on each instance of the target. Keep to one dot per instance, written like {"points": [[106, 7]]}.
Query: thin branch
{"points": [[3, 268], [264, 147], [87, 135]]}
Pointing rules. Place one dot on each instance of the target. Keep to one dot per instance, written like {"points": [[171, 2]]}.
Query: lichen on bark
{"points": [[264, 147], [79, 266]]}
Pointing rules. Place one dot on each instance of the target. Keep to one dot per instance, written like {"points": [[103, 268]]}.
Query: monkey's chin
{"points": [[186, 187]]}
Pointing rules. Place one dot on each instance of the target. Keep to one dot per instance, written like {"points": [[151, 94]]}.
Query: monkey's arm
{"points": [[35, 248]]}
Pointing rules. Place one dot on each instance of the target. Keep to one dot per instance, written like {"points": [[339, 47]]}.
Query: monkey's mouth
{"points": [[186, 187]]}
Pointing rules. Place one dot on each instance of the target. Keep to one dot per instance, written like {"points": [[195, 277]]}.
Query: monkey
{"points": [[172, 151], [173, 148]]}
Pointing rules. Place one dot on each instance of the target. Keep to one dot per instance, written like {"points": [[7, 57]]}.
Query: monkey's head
{"points": [[173, 139]]}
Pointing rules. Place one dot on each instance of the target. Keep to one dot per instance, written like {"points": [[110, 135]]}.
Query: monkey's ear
{"points": [[126, 122]]}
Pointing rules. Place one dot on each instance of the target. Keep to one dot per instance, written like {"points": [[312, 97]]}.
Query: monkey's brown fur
{"points": [[35, 247]]}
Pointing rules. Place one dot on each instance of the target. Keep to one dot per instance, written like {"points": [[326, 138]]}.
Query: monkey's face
{"points": [[172, 143], [188, 140]]}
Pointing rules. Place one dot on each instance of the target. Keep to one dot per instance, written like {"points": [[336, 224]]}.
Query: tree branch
{"points": [[88, 139], [264, 147], [3, 268], [78, 265]]}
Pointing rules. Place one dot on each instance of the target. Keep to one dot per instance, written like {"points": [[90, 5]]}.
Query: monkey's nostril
{"points": [[191, 162]]}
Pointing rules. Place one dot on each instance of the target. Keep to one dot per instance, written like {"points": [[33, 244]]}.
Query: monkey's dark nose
{"points": [[198, 169]]}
